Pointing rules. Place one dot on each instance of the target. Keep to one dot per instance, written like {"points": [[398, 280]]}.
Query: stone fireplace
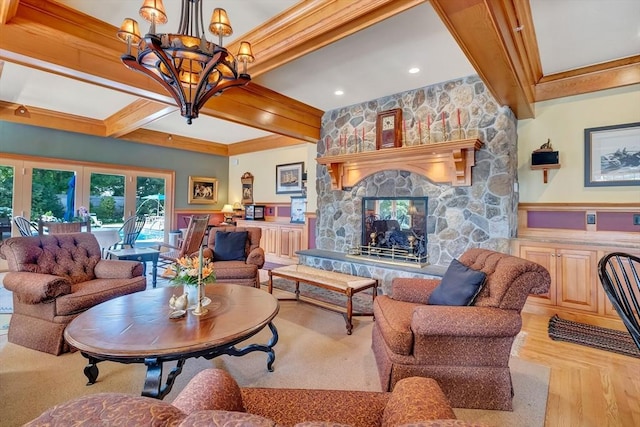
{"points": [[459, 217], [393, 231]]}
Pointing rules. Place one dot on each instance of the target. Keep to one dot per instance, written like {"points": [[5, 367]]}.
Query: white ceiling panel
{"points": [[374, 62], [244, 15], [205, 128], [29, 86], [367, 65], [577, 33]]}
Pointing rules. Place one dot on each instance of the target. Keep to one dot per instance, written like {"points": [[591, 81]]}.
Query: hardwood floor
{"points": [[588, 387]]}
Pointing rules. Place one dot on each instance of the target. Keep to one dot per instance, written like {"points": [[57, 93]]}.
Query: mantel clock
{"points": [[389, 129]]}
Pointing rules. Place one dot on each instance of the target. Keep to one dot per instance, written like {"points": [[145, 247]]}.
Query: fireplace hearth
{"points": [[394, 255]]}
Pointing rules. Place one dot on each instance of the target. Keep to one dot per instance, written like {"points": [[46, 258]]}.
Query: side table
{"points": [[138, 254]]}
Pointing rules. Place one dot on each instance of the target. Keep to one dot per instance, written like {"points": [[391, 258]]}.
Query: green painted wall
{"points": [[43, 142]]}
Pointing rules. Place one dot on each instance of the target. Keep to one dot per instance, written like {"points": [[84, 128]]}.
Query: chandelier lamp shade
{"points": [[189, 67]]}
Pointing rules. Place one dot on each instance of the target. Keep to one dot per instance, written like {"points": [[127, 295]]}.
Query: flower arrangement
{"points": [[188, 270]]}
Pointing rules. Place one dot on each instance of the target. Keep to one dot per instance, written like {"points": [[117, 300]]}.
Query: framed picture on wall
{"points": [[298, 208], [612, 155], [289, 178], [203, 190], [247, 188]]}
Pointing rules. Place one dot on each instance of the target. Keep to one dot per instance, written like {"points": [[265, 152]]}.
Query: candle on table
{"points": [[200, 265], [458, 117], [419, 132], [428, 121], [443, 125], [362, 149], [355, 139]]}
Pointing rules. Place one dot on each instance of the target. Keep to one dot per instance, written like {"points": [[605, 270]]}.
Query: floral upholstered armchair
{"points": [[464, 347], [213, 398], [54, 278], [236, 254]]}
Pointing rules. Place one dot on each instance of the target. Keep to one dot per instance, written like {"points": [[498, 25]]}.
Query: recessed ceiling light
{"points": [[339, 92], [414, 70]]}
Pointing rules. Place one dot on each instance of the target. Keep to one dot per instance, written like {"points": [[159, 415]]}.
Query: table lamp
{"points": [[227, 211]]}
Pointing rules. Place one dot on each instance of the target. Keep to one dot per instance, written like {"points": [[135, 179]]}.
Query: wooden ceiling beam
{"points": [[486, 32], [34, 116], [261, 144], [8, 9], [608, 75], [313, 24], [135, 115], [177, 142], [41, 117], [26, 39]]}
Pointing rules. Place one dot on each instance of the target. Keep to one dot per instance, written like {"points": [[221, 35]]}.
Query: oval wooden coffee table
{"points": [[136, 328]]}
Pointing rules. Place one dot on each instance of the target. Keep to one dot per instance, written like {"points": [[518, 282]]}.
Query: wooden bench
{"points": [[342, 283]]}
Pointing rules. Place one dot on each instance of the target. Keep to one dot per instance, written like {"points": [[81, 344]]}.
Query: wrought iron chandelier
{"points": [[188, 66]]}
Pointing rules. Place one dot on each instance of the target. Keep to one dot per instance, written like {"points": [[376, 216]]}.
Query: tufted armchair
{"points": [[465, 348], [238, 266], [213, 398], [54, 278]]}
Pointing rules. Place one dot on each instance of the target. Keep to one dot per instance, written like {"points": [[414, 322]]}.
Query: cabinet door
{"points": [[577, 279], [270, 240], [290, 242], [546, 257]]}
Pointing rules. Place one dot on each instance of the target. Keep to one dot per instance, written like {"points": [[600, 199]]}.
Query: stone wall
{"points": [[481, 215]]}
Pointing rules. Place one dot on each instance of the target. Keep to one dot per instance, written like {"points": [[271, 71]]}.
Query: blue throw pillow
{"points": [[459, 286], [230, 246]]}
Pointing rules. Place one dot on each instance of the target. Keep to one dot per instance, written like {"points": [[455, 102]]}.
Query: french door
{"points": [[58, 190]]}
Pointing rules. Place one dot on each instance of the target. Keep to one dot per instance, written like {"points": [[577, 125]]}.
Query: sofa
{"points": [[466, 348], [213, 398], [54, 278], [236, 254]]}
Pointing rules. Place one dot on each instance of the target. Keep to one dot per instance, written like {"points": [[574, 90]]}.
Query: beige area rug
{"points": [[313, 351]]}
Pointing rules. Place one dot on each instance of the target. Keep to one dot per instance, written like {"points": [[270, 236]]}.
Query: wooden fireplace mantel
{"points": [[442, 162]]}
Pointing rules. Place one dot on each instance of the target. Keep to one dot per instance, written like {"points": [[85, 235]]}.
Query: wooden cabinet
{"points": [[575, 292], [577, 279], [573, 274], [280, 241]]}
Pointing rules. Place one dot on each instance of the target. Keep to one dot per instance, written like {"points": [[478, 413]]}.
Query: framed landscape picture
{"points": [[289, 178], [203, 190], [612, 155]]}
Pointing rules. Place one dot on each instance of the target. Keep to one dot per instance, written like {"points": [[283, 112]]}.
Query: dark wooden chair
{"points": [[191, 242], [619, 274]]}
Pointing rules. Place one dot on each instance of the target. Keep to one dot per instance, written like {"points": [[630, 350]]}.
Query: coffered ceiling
{"points": [[61, 60]]}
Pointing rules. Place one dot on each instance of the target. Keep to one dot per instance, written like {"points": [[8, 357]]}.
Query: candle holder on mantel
{"points": [[457, 134]]}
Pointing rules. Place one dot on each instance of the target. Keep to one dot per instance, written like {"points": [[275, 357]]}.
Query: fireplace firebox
{"points": [[394, 230]]}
